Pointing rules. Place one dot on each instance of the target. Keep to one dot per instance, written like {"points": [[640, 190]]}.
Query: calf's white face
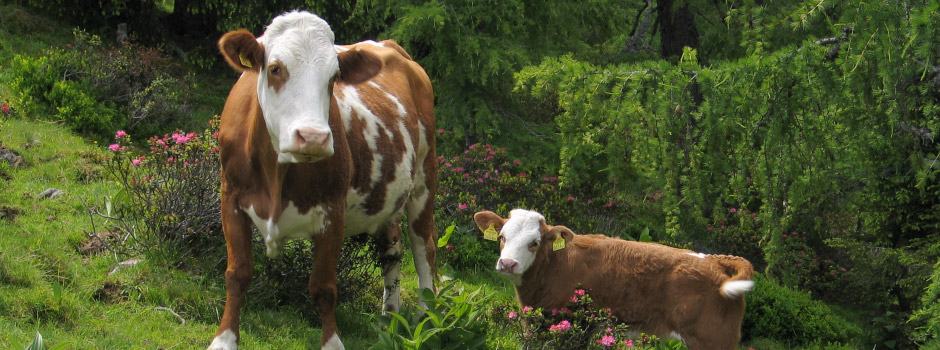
{"points": [[295, 86], [520, 238]]}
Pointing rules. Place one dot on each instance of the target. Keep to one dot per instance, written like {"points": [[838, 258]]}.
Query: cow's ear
{"points": [[356, 66], [560, 231], [485, 219], [242, 51]]}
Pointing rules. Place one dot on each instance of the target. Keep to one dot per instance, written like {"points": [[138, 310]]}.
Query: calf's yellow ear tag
{"points": [[490, 234], [558, 244], [245, 62]]}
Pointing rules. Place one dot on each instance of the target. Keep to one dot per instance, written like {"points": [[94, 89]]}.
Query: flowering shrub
{"points": [[578, 325], [172, 187], [737, 231], [484, 177]]}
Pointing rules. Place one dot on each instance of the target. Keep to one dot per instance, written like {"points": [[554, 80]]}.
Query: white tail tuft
{"points": [[734, 289]]}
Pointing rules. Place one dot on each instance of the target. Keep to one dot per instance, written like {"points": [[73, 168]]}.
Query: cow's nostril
{"points": [[507, 265], [313, 138]]}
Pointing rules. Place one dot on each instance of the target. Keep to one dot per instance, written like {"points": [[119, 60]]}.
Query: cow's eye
{"points": [[502, 238], [275, 70], [533, 245]]}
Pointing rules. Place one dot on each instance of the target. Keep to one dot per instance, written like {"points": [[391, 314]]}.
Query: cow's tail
{"points": [[741, 274]]}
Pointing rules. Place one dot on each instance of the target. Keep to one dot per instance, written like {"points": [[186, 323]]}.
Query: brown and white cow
{"points": [[656, 289], [320, 141]]}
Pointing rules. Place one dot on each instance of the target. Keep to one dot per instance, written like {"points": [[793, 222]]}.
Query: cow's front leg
{"points": [[390, 256], [327, 248], [237, 228]]}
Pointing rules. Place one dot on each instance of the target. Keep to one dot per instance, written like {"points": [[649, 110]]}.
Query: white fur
{"points": [[676, 336], [697, 255], [224, 341], [292, 224], [334, 343], [303, 44], [735, 289], [520, 230]]}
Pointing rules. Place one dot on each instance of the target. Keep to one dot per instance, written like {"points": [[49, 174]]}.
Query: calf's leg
{"points": [[327, 248]]}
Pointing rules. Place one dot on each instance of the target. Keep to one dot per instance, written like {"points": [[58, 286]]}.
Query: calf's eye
{"points": [[533, 245]]}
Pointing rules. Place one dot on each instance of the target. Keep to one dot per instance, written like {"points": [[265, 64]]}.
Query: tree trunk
{"points": [[676, 28]]}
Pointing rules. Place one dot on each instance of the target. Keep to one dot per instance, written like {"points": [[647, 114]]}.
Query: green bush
{"points": [[453, 319], [779, 312], [95, 89], [926, 321]]}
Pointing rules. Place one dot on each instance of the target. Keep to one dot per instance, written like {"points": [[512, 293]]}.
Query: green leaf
{"points": [[441, 242]]}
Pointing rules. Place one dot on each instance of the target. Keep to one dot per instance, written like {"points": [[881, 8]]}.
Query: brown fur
{"points": [[654, 288]]}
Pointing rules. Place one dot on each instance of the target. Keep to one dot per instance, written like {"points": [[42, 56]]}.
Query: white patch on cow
{"points": [[340, 48], [391, 297], [735, 289], [373, 43], [697, 255], [520, 231], [292, 224], [224, 341], [419, 194], [333, 344], [302, 44], [676, 336]]}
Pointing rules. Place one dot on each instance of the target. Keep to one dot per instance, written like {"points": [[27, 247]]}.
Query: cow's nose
{"points": [[313, 140], [506, 265]]}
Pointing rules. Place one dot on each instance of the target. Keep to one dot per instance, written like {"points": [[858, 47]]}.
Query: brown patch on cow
{"points": [[392, 44], [356, 66], [242, 51], [98, 242], [110, 292], [278, 75]]}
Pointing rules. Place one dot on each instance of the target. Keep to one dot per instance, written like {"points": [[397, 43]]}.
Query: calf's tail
{"points": [[740, 272]]}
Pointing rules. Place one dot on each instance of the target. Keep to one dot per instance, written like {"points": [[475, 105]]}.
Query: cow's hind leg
{"points": [[423, 236], [327, 248], [389, 248]]}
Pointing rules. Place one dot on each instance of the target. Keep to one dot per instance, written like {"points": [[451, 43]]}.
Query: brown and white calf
{"points": [[656, 289], [319, 141]]}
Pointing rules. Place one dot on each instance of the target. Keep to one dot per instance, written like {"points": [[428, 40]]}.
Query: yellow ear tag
{"points": [[490, 234], [245, 62], [558, 244]]}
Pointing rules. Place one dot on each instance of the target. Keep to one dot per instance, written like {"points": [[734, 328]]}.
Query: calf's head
{"points": [[523, 237], [297, 64]]}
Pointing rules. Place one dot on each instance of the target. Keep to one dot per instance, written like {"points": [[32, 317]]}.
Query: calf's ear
{"points": [[559, 231], [484, 219], [356, 66], [242, 51]]}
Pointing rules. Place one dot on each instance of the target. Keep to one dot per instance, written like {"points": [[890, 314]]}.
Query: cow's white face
{"points": [[295, 86], [519, 240]]}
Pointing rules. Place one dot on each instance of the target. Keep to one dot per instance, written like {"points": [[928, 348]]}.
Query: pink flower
{"points": [[842, 268], [526, 308], [628, 343], [120, 134], [449, 247], [115, 147], [516, 162], [447, 164], [574, 299], [511, 315], [609, 204], [580, 292], [733, 210], [180, 138], [608, 330], [462, 206], [480, 180], [570, 198], [607, 340], [562, 326], [460, 168], [564, 310], [5, 109], [137, 161], [440, 131], [554, 311]]}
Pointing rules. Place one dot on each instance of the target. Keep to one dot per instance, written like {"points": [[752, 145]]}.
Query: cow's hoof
{"points": [[225, 341]]}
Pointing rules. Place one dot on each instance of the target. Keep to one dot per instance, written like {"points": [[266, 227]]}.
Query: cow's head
{"points": [[297, 64], [522, 238]]}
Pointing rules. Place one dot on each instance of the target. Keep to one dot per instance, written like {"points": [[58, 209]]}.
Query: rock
{"points": [[50, 193], [11, 157]]}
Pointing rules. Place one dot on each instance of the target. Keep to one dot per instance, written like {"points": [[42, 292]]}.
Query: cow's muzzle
{"points": [[311, 144]]}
